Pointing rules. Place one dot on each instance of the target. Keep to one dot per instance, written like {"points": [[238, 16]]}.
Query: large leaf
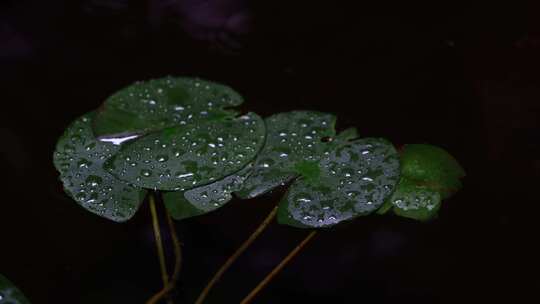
{"points": [[201, 200], [162, 103], [293, 140], [432, 167], [352, 180], [181, 158], [79, 158], [9, 294]]}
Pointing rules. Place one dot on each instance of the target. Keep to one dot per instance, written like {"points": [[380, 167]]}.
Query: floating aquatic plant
{"points": [[180, 137]]}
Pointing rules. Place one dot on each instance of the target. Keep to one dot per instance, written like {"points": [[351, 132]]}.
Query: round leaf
{"points": [[9, 294], [293, 140], [162, 103], [354, 180], [206, 198], [433, 167], [79, 158], [182, 158]]}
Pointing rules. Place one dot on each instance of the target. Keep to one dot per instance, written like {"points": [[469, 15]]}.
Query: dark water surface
{"points": [[461, 77]]}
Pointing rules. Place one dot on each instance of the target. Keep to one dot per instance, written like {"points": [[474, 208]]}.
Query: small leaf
{"points": [[79, 158], [182, 158], [206, 198], [355, 179], [162, 103], [293, 140], [9, 294], [415, 201], [433, 167]]}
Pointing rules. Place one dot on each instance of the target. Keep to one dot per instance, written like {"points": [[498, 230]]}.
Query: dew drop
{"points": [[162, 158], [303, 199], [93, 181], [84, 164], [184, 175]]}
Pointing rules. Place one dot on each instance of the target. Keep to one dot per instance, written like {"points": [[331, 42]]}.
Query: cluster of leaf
{"points": [[180, 136], [9, 294]]}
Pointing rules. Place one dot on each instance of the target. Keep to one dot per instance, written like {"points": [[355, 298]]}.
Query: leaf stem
{"points": [[177, 251], [277, 269], [177, 266], [159, 247], [159, 240], [236, 254]]}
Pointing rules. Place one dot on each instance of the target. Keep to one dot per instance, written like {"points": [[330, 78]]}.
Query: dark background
{"points": [[464, 77]]}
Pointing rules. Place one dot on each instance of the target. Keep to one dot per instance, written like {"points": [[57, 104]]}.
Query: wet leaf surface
{"points": [[201, 200], [415, 201], [182, 158], [432, 167], [293, 140], [9, 294], [79, 157], [355, 179], [429, 174], [153, 105]]}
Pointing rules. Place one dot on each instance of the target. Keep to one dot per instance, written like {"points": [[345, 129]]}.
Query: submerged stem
{"points": [[277, 269], [236, 254]]}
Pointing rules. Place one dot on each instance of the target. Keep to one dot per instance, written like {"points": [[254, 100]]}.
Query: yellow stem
{"points": [[277, 269], [236, 254], [159, 247], [177, 251], [177, 266]]}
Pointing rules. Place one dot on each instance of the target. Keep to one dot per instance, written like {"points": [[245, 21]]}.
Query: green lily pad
{"points": [[355, 179], [9, 294], [79, 157], [157, 104], [204, 199], [415, 201], [181, 158], [432, 167], [293, 140]]}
